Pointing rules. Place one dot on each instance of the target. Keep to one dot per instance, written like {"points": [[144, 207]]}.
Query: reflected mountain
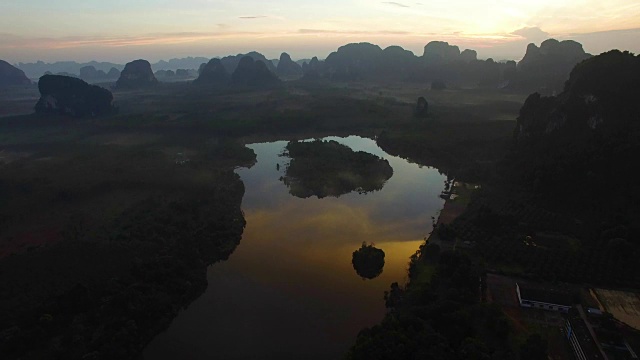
{"points": [[328, 168], [368, 261]]}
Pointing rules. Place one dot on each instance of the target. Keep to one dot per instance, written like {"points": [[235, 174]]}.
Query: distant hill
{"points": [[64, 95], [182, 63], [91, 74], [213, 73], [37, 69], [600, 94], [231, 62], [438, 52], [287, 68], [302, 61], [250, 72], [314, 70], [358, 62], [10, 75], [543, 69], [583, 144], [136, 75], [365, 61], [440, 62], [546, 68]]}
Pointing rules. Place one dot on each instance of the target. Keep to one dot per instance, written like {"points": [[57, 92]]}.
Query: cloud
{"points": [[621, 32], [10, 41], [393, 3], [252, 17], [601, 41], [531, 33], [352, 32]]}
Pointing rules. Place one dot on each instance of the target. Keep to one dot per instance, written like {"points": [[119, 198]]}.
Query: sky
{"points": [[120, 31]]}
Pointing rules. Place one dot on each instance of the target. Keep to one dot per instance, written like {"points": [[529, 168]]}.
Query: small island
{"points": [[328, 168], [368, 261]]}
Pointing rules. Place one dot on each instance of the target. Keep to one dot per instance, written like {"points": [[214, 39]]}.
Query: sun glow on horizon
{"points": [[33, 29]]}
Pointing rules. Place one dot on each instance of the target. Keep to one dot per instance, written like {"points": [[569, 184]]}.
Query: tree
{"points": [[422, 107], [368, 261], [534, 348]]}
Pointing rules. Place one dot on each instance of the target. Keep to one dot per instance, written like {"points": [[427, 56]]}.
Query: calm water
{"points": [[289, 290]]}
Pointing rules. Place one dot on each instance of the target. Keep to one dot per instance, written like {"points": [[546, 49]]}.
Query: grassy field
{"points": [[18, 100]]}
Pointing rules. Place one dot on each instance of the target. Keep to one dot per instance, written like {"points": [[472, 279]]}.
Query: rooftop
{"points": [[546, 294]]}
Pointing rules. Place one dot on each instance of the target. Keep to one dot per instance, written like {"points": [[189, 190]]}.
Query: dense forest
{"points": [[104, 244], [439, 316]]}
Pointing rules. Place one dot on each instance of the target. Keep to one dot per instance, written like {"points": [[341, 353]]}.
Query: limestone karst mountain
{"points": [[253, 73], [441, 52], [89, 73], [213, 73], [113, 73], [546, 68], [287, 68], [64, 95], [586, 135], [11, 76], [136, 74], [231, 62]]}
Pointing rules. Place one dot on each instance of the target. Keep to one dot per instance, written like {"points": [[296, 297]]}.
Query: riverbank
{"points": [[457, 198]]}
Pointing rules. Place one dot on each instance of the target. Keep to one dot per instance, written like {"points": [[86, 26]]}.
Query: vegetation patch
{"points": [[368, 261], [328, 168]]}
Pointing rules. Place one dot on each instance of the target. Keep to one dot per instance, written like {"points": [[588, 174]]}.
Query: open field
{"points": [[457, 203], [623, 305], [18, 100], [459, 105]]}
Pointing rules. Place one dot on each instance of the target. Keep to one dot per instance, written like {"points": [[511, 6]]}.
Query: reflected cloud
{"points": [[317, 242]]}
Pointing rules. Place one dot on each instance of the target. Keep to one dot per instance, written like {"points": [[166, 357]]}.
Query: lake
{"points": [[289, 291]]}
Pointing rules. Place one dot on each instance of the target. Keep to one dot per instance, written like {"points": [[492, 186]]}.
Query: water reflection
{"points": [[289, 290]]}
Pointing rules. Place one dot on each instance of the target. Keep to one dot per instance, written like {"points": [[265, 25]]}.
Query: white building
{"points": [[543, 298]]}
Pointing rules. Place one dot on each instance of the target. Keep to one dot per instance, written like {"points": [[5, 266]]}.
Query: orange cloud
{"points": [[15, 42]]}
